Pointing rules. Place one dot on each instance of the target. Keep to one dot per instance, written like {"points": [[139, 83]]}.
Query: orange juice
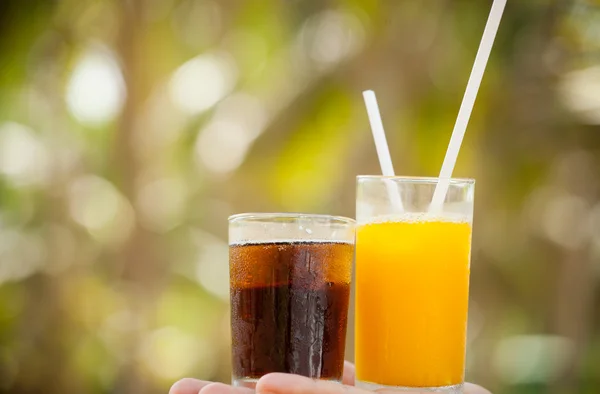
{"points": [[412, 287]]}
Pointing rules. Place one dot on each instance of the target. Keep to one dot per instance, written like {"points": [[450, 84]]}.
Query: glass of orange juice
{"points": [[412, 283]]}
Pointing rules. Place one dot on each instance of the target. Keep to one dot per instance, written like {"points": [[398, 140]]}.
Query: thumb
{"points": [[349, 373]]}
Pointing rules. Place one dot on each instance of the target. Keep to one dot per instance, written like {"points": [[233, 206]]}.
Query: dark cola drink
{"points": [[289, 308]]}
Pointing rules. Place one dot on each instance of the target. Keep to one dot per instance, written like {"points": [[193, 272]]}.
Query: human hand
{"points": [[194, 386], [279, 383]]}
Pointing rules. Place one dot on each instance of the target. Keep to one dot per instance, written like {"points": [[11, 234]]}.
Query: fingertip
{"points": [[349, 373], [187, 386], [217, 388], [471, 388], [275, 383]]}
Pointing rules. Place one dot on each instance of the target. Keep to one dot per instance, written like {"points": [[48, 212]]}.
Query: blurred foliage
{"points": [[130, 130]]}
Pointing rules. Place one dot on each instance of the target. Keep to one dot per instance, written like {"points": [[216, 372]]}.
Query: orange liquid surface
{"points": [[412, 288]]}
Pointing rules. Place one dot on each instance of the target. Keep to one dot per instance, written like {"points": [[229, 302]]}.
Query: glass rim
{"points": [[415, 179], [289, 217]]}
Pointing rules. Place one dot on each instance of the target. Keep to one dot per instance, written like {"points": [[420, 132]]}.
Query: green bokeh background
{"points": [[131, 129]]}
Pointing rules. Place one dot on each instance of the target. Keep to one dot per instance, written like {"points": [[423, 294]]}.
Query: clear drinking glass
{"points": [[412, 284], [290, 287]]}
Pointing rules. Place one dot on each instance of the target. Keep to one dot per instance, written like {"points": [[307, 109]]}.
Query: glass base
{"points": [[454, 389], [248, 383]]}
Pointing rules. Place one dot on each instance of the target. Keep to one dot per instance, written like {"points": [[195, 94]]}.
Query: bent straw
{"points": [[483, 54], [383, 152]]}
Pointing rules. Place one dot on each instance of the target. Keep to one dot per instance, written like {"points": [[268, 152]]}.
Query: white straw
{"points": [[383, 152], [483, 54]]}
